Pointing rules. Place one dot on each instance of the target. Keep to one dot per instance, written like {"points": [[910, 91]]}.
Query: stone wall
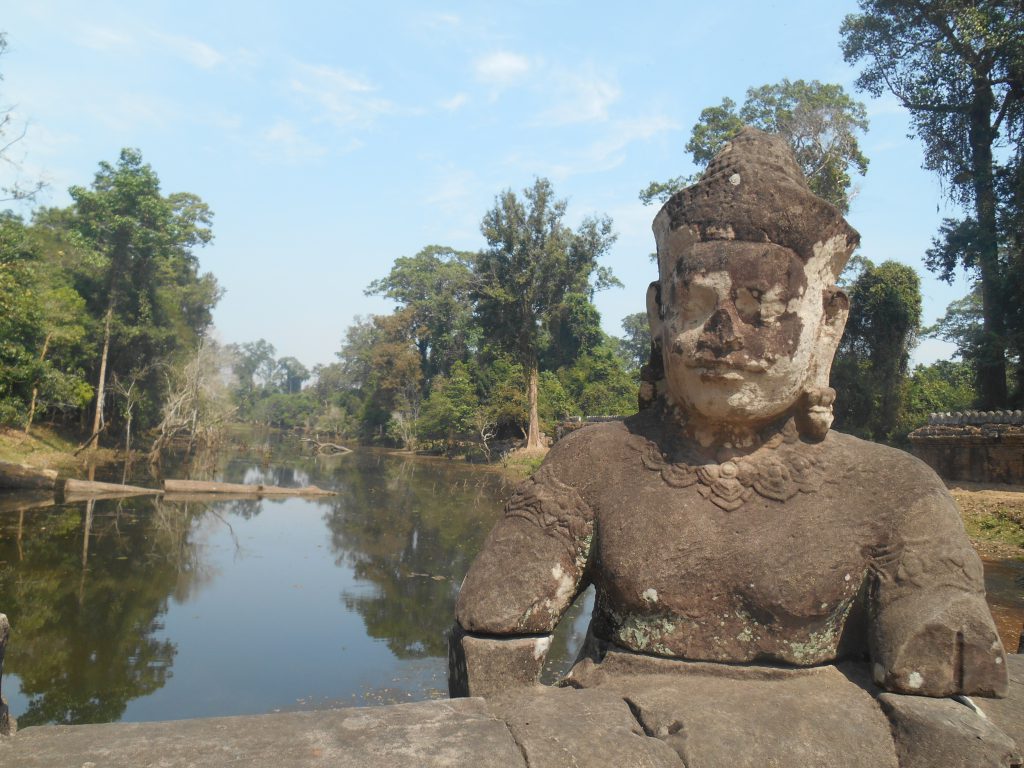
{"points": [[976, 446]]}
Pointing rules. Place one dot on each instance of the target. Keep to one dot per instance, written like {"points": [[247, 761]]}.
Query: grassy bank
{"points": [[46, 448], [993, 516]]}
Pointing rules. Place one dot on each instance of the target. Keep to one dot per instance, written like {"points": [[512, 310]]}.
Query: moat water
{"points": [[149, 609]]}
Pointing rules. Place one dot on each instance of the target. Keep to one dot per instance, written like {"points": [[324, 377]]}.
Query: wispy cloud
{"points": [[442, 20], [452, 188], [455, 102], [580, 97], [195, 52], [100, 38], [345, 98], [604, 153], [501, 68], [126, 112], [285, 138]]}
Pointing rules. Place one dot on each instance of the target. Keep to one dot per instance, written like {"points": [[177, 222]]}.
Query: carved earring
{"points": [[814, 416], [651, 375]]}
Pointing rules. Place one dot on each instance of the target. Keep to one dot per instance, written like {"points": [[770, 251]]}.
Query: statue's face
{"points": [[740, 330]]}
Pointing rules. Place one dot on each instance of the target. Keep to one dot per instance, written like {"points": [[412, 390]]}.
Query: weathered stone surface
{"points": [[1008, 713], [531, 596], [930, 732], [753, 191], [727, 523], [436, 733], [979, 452], [719, 715], [558, 727], [482, 666]]}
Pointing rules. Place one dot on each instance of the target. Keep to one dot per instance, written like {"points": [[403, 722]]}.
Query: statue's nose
{"points": [[720, 332]]}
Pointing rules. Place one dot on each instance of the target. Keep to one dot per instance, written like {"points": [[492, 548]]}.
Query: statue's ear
{"points": [[654, 315], [837, 308]]}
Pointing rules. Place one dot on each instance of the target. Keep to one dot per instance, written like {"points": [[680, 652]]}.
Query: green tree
{"points": [[253, 363], [292, 374], [531, 264], [386, 364], [944, 386], [21, 321], [958, 67], [434, 287], [635, 346], [820, 121], [448, 413], [599, 383], [149, 293], [871, 365]]}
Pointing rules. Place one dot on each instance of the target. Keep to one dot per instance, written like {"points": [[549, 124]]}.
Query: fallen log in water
{"points": [[23, 477], [79, 490], [330, 449], [240, 489], [22, 501]]}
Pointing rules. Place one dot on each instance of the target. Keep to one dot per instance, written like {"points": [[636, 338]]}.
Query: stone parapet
{"points": [[976, 446], [633, 711]]}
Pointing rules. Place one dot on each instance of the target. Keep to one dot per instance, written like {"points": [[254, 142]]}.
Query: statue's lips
{"points": [[724, 367]]}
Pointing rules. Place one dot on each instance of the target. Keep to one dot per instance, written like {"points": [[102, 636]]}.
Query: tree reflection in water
{"points": [[105, 598], [85, 616], [411, 528]]}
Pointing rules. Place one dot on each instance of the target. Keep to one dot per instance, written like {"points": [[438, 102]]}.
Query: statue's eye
{"points": [[748, 304], [697, 303]]}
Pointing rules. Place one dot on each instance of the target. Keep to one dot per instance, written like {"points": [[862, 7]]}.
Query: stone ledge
{"points": [[636, 711]]}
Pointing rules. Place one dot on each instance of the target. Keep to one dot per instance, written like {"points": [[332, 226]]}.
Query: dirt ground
{"points": [[993, 515]]}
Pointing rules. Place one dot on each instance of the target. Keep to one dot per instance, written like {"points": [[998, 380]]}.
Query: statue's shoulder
{"points": [[880, 466], [575, 456]]}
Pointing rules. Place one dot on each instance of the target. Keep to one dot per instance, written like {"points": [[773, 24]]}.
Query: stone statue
{"points": [[726, 522]]}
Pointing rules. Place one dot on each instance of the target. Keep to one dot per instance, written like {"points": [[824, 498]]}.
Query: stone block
{"points": [[426, 734], [721, 716], [931, 732], [483, 666], [558, 727]]}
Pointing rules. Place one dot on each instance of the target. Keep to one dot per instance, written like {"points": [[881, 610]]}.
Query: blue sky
{"points": [[331, 138]]}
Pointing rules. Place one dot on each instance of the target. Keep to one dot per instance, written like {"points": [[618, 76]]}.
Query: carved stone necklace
{"points": [[779, 470]]}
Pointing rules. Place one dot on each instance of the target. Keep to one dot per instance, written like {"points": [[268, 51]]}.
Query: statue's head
{"points": [[746, 312]]}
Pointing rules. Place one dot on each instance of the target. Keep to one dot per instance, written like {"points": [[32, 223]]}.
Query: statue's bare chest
{"points": [[708, 564]]}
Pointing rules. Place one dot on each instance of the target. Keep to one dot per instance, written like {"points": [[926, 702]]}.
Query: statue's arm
{"points": [[931, 631], [532, 566]]}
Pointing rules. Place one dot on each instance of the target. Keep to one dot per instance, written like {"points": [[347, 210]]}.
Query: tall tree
{"points": [[434, 286], [292, 374], [635, 346], [532, 263], [871, 364], [150, 295], [958, 67], [820, 121]]}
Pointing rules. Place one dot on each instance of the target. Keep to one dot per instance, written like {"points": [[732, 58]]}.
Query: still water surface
{"points": [[145, 609]]}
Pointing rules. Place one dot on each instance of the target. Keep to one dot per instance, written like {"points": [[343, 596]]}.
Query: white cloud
{"points": [[196, 52], [285, 138], [603, 154], [581, 97], [102, 38], [453, 187], [345, 98], [501, 68], [455, 102], [436, 20]]}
